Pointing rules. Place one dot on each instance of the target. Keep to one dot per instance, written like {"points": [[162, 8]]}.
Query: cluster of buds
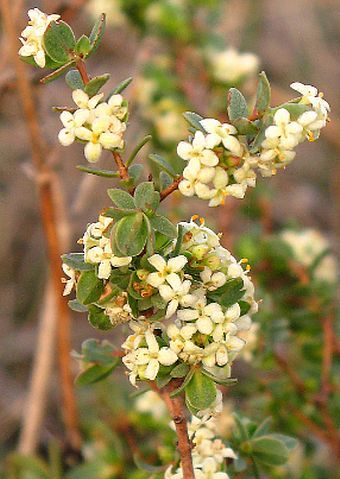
{"points": [[222, 162], [99, 124]]}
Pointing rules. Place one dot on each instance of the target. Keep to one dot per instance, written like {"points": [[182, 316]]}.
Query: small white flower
{"points": [[148, 359], [220, 182], [221, 132], [98, 137], [212, 280], [69, 283], [164, 268], [71, 122], [32, 35], [82, 99], [176, 293], [196, 178], [197, 149], [113, 107], [205, 315]]}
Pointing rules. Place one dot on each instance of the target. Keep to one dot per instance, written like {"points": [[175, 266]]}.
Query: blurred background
{"points": [[183, 55]]}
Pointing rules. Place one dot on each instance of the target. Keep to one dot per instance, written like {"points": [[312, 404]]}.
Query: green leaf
{"points": [[73, 80], [164, 226], [59, 42], [179, 241], [150, 242], [97, 32], [95, 373], [241, 428], [56, 73], [228, 294], [268, 450], [130, 235], [76, 261], [162, 164], [147, 467], [263, 94], [89, 287], [76, 306], [83, 46], [245, 126], [98, 319], [220, 375], [165, 180], [184, 384], [290, 442], [244, 306], [95, 171], [201, 391], [146, 198], [117, 213], [95, 351], [96, 83], [120, 87], [135, 172], [194, 120], [295, 109], [263, 428], [179, 371], [121, 198], [137, 149], [237, 105]]}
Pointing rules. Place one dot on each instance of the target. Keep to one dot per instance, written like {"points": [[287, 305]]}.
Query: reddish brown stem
{"points": [[327, 356], [176, 409], [122, 169], [81, 67], [48, 213], [171, 188]]}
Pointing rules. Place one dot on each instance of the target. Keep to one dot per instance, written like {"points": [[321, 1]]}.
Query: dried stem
{"points": [[176, 409], [41, 372], [48, 213]]}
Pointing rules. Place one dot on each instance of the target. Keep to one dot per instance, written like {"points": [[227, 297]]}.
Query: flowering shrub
{"points": [[186, 299]]}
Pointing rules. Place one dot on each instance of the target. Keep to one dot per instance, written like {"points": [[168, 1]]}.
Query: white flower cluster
{"points": [[99, 124], [202, 331], [208, 454], [310, 245], [97, 248], [32, 36], [219, 160], [209, 173], [231, 66]]}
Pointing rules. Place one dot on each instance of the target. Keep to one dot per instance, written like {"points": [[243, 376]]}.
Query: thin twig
{"points": [[48, 213], [171, 188]]}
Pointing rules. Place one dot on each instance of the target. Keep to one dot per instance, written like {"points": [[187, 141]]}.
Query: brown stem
{"points": [[327, 356], [176, 409], [171, 188], [81, 67], [48, 213], [122, 169]]}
